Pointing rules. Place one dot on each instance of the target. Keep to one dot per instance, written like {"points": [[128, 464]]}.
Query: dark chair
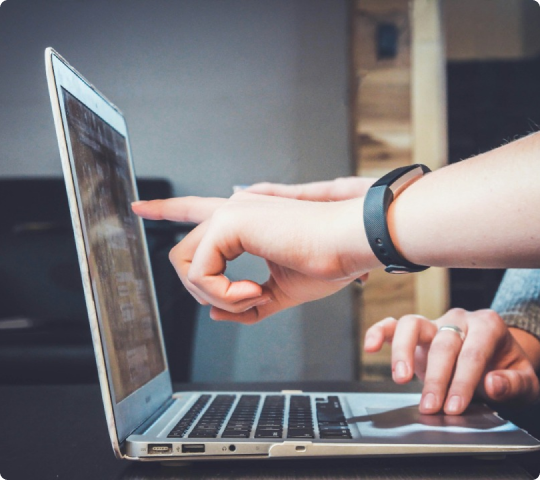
{"points": [[44, 330]]}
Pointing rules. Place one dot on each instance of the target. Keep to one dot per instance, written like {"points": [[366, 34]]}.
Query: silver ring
{"points": [[453, 328]]}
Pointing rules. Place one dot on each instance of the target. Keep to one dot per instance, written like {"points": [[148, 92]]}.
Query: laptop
{"points": [[146, 420]]}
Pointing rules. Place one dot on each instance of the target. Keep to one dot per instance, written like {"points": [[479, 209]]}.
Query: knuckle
{"points": [[488, 316], [220, 223], [382, 325], [373, 330], [473, 356], [491, 319], [193, 277], [386, 321], [457, 312], [173, 253], [240, 195], [410, 319], [222, 211], [235, 308], [490, 323]]}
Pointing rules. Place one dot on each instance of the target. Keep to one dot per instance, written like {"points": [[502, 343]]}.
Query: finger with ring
{"points": [[454, 329]]}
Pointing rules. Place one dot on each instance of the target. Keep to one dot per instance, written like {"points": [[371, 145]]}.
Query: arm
{"points": [[481, 213]]}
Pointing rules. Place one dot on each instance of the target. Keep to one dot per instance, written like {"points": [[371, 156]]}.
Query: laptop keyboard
{"points": [[329, 418]]}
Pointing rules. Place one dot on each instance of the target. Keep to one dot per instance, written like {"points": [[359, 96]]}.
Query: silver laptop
{"points": [[146, 420]]}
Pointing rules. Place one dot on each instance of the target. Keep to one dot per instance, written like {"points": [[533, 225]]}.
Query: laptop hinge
{"points": [[152, 418]]}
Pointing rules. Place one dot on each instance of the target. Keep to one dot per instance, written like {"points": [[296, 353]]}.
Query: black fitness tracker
{"points": [[376, 203]]}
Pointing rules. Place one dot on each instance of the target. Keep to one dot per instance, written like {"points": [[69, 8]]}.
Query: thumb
{"points": [[504, 385]]}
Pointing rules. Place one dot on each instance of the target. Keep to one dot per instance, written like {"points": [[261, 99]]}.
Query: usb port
{"points": [[193, 448], [160, 448]]}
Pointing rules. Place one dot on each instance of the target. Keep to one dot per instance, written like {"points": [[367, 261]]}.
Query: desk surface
{"points": [[57, 423]]}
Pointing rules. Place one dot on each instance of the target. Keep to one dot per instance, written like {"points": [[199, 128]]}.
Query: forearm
{"points": [[482, 212]]}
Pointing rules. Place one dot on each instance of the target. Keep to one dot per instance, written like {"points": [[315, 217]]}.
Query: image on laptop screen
{"points": [[116, 251]]}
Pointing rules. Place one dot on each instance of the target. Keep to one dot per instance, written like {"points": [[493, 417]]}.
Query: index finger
{"points": [[181, 209]]}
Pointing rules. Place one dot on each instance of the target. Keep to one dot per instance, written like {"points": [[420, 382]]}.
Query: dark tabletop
{"points": [[59, 432]]}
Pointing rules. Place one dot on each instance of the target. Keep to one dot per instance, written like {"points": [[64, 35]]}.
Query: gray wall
{"points": [[216, 93]]}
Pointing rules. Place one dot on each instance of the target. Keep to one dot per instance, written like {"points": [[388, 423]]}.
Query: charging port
{"points": [[160, 449], [193, 448]]}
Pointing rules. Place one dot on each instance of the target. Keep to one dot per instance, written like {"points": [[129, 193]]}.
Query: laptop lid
{"points": [[111, 245]]}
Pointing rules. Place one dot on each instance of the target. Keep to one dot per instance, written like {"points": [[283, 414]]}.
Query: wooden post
{"points": [[398, 118], [429, 120]]}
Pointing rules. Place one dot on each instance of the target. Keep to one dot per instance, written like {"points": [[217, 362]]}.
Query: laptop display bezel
{"points": [[125, 416]]}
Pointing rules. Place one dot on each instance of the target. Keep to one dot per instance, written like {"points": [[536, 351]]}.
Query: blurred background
{"points": [[219, 93]]}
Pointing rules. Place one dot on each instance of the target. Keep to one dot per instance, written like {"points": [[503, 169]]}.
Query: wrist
{"points": [[356, 255], [378, 222]]}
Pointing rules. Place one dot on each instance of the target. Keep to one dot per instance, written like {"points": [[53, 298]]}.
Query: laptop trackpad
{"points": [[476, 417], [404, 423]]}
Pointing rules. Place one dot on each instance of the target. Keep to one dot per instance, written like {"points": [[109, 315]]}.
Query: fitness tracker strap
{"points": [[376, 203]]}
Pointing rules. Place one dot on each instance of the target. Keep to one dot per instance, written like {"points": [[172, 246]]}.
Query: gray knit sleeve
{"points": [[518, 300]]}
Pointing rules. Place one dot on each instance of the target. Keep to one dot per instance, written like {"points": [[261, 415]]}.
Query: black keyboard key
{"points": [[267, 427], [268, 433], [237, 429], [330, 418], [202, 435], [334, 430], [333, 424], [301, 426], [300, 433], [335, 436], [233, 434]]}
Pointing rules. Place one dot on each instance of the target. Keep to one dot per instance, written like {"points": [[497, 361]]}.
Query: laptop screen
{"points": [[115, 247]]}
